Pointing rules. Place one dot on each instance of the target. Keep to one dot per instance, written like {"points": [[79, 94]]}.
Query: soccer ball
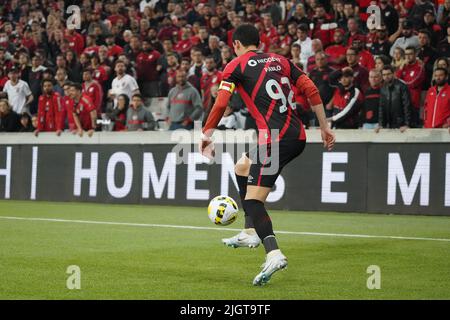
{"points": [[222, 210]]}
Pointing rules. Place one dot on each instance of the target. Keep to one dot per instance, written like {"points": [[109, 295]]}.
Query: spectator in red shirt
{"points": [[147, 74], [413, 75], [115, 16], [167, 30], [113, 49], [118, 113], [360, 74], [67, 113], [93, 89], [250, 15], [323, 29], [283, 43], [168, 77], [91, 45], [50, 110], [84, 113], [3, 78], [209, 79], [269, 29], [337, 50], [236, 21], [27, 40], [437, 101], [346, 102], [101, 71], [264, 39], [316, 46], [354, 31], [76, 40], [184, 46], [365, 57]]}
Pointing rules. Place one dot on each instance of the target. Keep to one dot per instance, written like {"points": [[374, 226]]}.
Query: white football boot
{"points": [[242, 239], [275, 261]]}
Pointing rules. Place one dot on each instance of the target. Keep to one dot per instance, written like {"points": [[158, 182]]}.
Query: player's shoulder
{"points": [[232, 65]]}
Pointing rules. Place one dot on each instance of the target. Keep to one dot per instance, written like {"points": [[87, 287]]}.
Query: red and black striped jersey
{"points": [[265, 81]]}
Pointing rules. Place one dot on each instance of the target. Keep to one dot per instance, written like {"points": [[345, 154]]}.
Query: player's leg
{"points": [[275, 259], [257, 191], [248, 236], [242, 170]]}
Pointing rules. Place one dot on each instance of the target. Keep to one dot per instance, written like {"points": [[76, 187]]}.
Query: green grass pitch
{"points": [[120, 261]]}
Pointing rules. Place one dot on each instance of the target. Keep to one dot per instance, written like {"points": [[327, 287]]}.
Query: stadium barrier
{"points": [[389, 172]]}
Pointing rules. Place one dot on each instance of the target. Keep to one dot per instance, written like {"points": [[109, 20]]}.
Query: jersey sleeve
{"points": [[304, 84], [27, 89], [133, 84], [294, 72], [231, 76]]}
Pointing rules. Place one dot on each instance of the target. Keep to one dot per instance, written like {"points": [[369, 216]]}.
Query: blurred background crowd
{"points": [[148, 65]]}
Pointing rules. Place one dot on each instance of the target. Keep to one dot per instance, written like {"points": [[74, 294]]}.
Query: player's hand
{"points": [[80, 132], [403, 128], [90, 133], [36, 132], [206, 147], [328, 138], [58, 132], [186, 122]]}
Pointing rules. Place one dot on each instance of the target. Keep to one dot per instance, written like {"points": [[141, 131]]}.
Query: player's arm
{"points": [[218, 109], [78, 124], [206, 146], [230, 77], [309, 89]]}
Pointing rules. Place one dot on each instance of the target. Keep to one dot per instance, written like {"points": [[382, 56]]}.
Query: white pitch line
{"points": [[152, 225]]}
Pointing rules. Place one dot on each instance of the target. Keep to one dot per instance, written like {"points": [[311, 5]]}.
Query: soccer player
{"points": [[264, 81]]}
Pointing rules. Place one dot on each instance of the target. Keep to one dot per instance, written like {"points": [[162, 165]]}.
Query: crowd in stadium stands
{"points": [[57, 76]]}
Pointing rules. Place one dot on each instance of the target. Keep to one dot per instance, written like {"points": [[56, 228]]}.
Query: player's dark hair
{"points": [[354, 49], [389, 67], [247, 34], [51, 81], [76, 85], [118, 62], [303, 27], [138, 95], [425, 32], [411, 48], [386, 60], [443, 70]]}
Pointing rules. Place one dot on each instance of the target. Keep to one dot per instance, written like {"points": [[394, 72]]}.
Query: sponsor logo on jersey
{"points": [[253, 63]]}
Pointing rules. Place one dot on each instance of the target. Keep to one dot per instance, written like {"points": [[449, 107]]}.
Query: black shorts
{"points": [[269, 160]]}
